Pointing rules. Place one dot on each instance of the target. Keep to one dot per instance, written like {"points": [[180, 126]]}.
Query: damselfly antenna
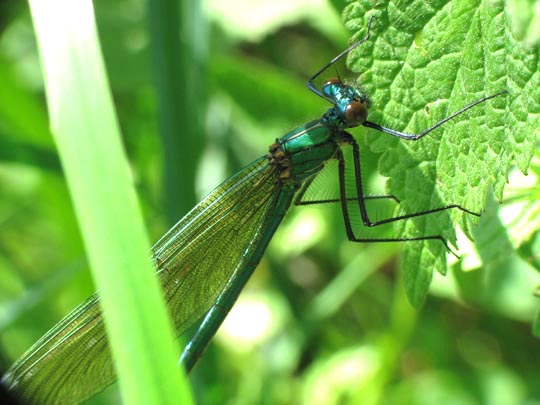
{"points": [[310, 84]]}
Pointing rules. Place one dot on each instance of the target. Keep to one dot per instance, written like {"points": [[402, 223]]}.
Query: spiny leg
{"points": [[298, 199], [348, 138], [331, 194], [337, 200], [415, 137]]}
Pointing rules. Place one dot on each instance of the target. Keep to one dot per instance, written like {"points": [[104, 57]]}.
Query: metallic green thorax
{"points": [[302, 152]]}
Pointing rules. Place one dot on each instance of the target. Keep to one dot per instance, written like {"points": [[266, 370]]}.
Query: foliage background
{"points": [[322, 320]]}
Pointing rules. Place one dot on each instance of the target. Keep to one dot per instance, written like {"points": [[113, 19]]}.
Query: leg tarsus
{"points": [[369, 223], [352, 238]]}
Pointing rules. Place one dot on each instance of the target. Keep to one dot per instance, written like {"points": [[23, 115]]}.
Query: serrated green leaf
{"points": [[424, 61]]}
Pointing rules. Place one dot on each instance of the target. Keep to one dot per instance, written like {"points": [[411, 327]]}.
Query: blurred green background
{"points": [[323, 320]]}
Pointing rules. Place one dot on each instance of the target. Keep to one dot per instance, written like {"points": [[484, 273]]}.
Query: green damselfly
{"points": [[202, 280]]}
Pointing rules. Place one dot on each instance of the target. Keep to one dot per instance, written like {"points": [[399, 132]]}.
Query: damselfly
{"points": [[205, 260]]}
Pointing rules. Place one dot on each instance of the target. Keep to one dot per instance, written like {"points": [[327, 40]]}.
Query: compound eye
{"points": [[355, 113], [332, 80], [331, 86]]}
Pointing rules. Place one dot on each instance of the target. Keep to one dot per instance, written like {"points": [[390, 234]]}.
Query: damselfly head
{"points": [[351, 104]]}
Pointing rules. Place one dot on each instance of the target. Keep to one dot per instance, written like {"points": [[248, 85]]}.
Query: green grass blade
{"points": [[178, 46], [87, 135]]}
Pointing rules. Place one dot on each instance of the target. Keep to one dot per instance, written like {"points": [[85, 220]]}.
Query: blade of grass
{"points": [[87, 135], [179, 75]]}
